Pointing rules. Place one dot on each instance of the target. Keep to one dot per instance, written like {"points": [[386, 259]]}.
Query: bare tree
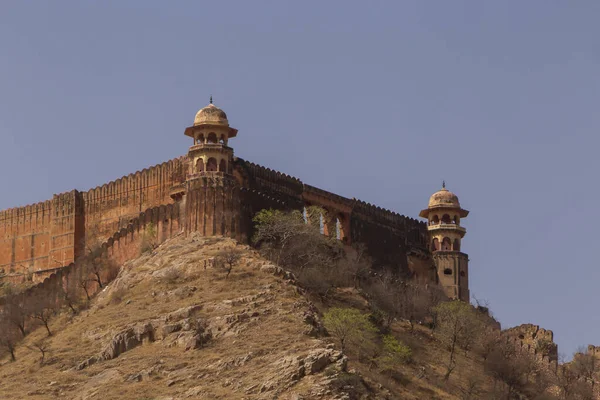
{"points": [[83, 280], [586, 365], [229, 258], [459, 326], [518, 372], [15, 312], [9, 335], [42, 306], [70, 295], [43, 347]]}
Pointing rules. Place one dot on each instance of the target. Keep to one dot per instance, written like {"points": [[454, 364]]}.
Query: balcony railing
{"points": [[446, 226]]}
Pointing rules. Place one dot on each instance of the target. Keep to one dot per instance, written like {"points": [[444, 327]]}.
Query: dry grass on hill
{"points": [[255, 345]]}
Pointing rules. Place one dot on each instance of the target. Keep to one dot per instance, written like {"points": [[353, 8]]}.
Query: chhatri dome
{"points": [[444, 199], [211, 115]]}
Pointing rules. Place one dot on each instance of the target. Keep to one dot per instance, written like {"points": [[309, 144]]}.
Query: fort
{"points": [[211, 191]]}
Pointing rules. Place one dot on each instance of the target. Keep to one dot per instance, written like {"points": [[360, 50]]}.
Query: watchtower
{"points": [[210, 196], [444, 215]]}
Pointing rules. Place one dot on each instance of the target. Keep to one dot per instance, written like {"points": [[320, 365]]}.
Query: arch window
{"points": [[223, 166], [201, 139], [447, 271], [435, 245], [321, 224], [455, 220], [200, 165], [212, 138], [222, 140], [211, 165], [446, 244], [435, 220], [445, 219]]}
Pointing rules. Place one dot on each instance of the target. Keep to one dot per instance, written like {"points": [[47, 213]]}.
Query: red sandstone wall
{"points": [[123, 246], [111, 206], [51, 234], [389, 237], [40, 236]]}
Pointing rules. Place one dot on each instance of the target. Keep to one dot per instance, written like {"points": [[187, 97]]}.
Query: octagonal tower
{"points": [[444, 215], [211, 194]]}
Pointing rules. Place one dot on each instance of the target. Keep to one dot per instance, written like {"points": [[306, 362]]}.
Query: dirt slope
{"points": [[172, 326]]}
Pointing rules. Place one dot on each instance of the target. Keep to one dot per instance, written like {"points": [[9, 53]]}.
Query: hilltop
{"points": [[173, 325]]}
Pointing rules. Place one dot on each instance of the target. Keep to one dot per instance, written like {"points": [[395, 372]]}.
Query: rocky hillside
{"points": [[177, 325]]}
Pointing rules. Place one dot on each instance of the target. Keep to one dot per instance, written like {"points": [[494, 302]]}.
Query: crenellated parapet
{"points": [[214, 193], [536, 340]]}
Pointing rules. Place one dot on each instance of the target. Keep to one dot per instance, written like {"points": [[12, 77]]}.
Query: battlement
{"points": [[536, 340], [50, 234]]}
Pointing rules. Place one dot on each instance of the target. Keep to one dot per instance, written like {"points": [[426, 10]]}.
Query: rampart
{"points": [[125, 244], [536, 341], [392, 239], [38, 239]]}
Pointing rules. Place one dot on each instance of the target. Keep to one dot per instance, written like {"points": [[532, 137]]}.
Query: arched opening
{"points": [[447, 271], [200, 165], [338, 229], [435, 220], [222, 140], [445, 219], [456, 219], [446, 244], [211, 164], [201, 139], [456, 245], [223, 166], [435, 245], [321, 224], [212, 138]]}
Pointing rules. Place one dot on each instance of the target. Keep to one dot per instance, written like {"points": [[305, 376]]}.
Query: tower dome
{"points": [[211, 115], [444, 198]]}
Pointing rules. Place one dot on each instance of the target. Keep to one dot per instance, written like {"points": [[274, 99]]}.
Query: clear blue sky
{"points": [[374, 100]]}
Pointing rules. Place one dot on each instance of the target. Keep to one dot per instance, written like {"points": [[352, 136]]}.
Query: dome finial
{"points": [[211, 99], [444, 184]]}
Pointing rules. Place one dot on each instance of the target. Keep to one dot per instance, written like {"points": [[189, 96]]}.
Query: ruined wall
{"points": [[535, 340]]}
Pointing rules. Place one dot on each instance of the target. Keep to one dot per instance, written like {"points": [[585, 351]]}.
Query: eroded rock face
{"points": [[293, 368], [179, 328]]}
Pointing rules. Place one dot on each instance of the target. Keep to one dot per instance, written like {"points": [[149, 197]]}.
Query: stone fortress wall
{"points": [[534, 340], [51, 234], [39, 239]]}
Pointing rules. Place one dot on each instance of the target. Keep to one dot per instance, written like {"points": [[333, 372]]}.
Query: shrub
{"points": [[394, 353], [349, 326], [117, 295], [149, 239], [172, 275]]}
